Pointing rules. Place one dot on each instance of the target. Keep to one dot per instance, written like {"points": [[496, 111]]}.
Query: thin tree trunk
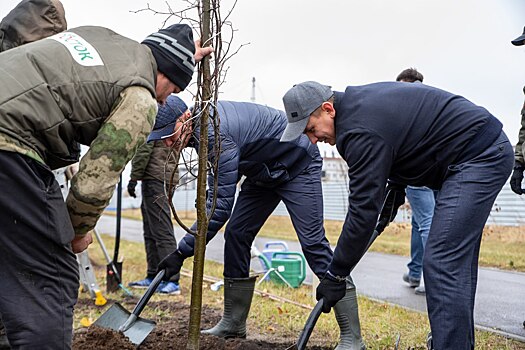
{"points": [[202, 218]]}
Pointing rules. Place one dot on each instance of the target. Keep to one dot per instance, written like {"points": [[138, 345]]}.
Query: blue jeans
{"points": [[450, 263], [422, 202]]}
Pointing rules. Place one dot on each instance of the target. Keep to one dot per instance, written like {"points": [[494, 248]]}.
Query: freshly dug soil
{"points": [[171, 333]]}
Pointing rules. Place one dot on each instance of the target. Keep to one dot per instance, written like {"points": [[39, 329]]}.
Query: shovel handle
{"points": [[149, 292], [108, 259], [310, 324]]}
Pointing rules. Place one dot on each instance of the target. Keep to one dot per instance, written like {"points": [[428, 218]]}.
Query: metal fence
{"points": [[508, 210]]}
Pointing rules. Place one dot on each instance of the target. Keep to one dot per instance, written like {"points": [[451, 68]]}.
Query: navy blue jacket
{"points": [[407, 133], [250, 146]]}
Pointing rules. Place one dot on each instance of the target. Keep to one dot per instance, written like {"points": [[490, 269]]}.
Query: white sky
{"points": [[460, 46]]}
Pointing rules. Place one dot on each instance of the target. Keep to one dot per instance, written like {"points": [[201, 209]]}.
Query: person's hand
{"points": [[80, 243], [331, 289], [517, 178], [201, 52], [171, 264], [131, 188], [395, 198]]}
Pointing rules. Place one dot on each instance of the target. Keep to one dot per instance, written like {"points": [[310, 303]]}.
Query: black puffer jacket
{"points": [[250, 146]]}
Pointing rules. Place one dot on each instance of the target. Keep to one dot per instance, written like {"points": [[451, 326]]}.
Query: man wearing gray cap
{"points": [[90, 86], [290, 173], [519, 160], [411, 134]]}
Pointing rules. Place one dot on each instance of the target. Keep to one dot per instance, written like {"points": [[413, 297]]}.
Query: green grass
{"points": [[381, 323], [501, 247]]}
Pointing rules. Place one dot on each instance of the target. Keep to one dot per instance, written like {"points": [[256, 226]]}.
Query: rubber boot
{"points": [[238, 293], [347, 316], [4, 343]]}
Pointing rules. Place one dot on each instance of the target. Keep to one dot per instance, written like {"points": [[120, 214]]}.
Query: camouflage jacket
{"points": [[519, 151], [95, 88], [151, 163]]}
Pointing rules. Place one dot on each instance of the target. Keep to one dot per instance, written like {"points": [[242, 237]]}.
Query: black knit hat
{"points": [[173, 49]]}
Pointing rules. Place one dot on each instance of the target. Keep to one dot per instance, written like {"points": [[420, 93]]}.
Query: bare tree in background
{"points": [[213, 30]]}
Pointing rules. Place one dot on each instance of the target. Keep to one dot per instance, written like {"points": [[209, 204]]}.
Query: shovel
{"points": [[131, 325], [111, 263], [308, 327], [316, 312]]}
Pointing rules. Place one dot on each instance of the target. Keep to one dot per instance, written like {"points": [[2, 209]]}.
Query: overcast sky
{"points": [[460, 46]]}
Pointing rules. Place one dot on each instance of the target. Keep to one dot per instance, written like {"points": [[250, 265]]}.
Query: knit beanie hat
{"points": [[173, 49]]}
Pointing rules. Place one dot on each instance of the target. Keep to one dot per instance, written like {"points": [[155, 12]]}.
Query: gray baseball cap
{"points": [[299, 103]]}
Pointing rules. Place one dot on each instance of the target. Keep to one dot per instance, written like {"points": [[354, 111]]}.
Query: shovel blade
{"points": [[117, 315]]}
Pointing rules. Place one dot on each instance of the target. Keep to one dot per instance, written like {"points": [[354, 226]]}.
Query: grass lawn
{"points": [[501, 247], [381, 323]]}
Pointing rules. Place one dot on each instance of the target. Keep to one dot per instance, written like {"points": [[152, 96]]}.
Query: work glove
{"points": [[395, 198], [331, 289], [517, 178], [171, 264], [131, 188]]}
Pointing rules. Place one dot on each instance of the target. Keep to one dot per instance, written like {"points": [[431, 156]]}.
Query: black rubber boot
{"points": [[4, 343], [238, 293], [347, 316]]}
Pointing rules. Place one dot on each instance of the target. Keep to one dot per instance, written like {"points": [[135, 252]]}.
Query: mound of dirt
{"points": [[171, 333]]}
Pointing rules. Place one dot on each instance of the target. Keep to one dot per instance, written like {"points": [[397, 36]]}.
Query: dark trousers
{"points": [[38, 270], [159, 238], [451, 255], [303, 198]]}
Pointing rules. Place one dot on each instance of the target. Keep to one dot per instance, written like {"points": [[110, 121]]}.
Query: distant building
{"points": [[334, 168]]}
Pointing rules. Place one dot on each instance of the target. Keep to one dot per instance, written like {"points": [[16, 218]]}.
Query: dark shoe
{"points": [[420, 290], [412, 282], [430, 346]]}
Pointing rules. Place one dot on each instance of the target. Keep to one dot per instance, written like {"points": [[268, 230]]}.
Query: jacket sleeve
{"points": [[369, 161], [140, 161], [226, 189], [118, 138]]}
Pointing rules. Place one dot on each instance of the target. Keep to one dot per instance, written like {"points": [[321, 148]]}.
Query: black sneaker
{"points": [[412, 282], [430, 345], [420, 290]]}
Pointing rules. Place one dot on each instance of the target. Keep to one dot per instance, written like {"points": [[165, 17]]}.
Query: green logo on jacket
{"points": [[82, 52]]}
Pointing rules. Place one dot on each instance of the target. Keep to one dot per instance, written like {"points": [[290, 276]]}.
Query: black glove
{"points": [[517, 178], [171, 264], [395, 198], [131, 188], [331, 289]]}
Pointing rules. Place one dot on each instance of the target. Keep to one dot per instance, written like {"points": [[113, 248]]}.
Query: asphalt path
{"points": [[500, 298]]}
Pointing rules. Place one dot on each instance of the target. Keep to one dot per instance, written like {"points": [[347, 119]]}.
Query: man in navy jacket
{"points": [[290, 172], [411, 134]]}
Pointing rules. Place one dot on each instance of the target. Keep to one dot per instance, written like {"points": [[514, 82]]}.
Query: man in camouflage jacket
{"points": [[153, 165], [519, 151], [86, 86]]}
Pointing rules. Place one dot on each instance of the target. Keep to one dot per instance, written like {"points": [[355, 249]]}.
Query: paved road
{"points": [[500, 300]]}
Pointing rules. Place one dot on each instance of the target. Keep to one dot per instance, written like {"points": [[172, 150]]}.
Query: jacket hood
{"points": [[31, 20]]}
